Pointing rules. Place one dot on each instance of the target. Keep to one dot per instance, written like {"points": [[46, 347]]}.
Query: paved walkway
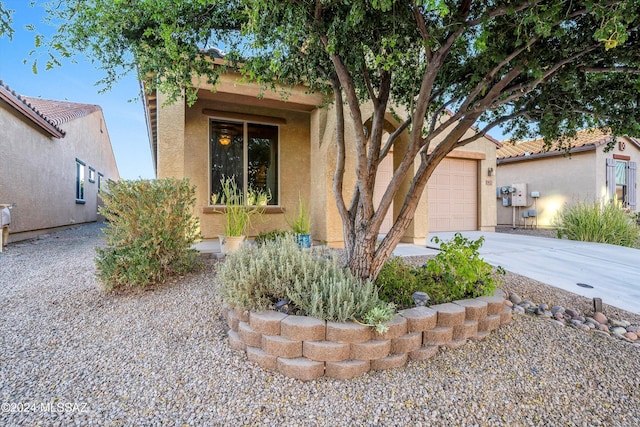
{"points": [[613, 271]]}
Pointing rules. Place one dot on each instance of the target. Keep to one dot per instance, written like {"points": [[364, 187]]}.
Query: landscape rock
{"points": [[600, 318], [618, 330], [515, 298], [632, 336]]}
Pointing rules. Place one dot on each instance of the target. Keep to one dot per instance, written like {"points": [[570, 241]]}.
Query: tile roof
{"points": [[59, 112], [47, 114], [584, 140]]}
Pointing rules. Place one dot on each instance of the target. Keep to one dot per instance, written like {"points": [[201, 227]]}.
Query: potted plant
{"points": [[301, 225], [258, 197], [236, 213]]}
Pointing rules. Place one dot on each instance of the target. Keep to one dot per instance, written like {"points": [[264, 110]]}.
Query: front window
{"points": [[621, 182], [248, 152]]}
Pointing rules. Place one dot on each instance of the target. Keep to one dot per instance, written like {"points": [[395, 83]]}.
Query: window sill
{"points": [[267, 210]]}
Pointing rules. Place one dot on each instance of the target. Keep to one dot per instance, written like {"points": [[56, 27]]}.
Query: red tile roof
{"points": [[47, 114], [60, 112], [585, 139]]}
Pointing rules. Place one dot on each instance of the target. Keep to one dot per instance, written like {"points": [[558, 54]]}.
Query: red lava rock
{"points": [[631, 336], [600, 318]]}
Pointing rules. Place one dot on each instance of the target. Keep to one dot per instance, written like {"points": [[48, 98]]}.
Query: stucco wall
{"points": [[630, 150], [183, 138], [307, 158], [561, 181], [324, 148], [38, 172]]}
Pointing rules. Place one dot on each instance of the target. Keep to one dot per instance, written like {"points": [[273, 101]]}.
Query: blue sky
{"points": [[77, 83]]}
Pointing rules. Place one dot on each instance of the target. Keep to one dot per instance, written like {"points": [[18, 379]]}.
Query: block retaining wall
{"points": [[307, 348]]}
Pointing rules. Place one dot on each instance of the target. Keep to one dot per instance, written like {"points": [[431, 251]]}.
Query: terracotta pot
{"points": [[229, 244]]}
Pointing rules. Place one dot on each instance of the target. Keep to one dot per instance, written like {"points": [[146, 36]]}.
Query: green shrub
{"points": [[598, 222], [397, 281], [267, 236], [457, 272], [149, 234], [257, 277], [459, 268]]}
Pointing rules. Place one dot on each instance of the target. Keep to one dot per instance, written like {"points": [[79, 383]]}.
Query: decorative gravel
{"points": [[72, 354]]}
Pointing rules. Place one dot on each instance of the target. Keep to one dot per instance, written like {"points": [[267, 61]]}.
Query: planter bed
{"points": [[307, 348]]}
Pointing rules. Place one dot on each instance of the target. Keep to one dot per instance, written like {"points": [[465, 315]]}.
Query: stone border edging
{"points": [[307, 348]]}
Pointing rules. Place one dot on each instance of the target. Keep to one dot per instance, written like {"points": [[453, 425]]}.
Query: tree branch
{"points": [[610, 70], [392, 138], [522, 89], [422, 28]]}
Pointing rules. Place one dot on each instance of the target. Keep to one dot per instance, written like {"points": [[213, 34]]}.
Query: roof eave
{"points": [[13, 100], [521, 158]]}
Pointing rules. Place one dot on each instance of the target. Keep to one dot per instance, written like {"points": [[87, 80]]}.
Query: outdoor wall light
{"points": [[490, 172], [283, 306], [420, 299]]}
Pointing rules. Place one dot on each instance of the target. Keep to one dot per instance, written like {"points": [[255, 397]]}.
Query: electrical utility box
{"points": [[520, 195]]}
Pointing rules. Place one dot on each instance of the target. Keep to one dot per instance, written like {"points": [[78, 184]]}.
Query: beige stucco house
{"points": [[54, 158], [286, 146], [558, 178]]}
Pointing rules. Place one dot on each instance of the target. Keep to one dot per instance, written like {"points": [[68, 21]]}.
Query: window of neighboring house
{"points": [[621, 183], [80, 165], [247, 151], [92, 174], [100, 179]]}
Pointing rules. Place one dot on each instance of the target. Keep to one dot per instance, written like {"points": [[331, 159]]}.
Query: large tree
{"points": [[546, 67]]}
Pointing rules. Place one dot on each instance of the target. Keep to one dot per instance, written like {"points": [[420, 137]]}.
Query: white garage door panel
{"points": [[453, 196]]}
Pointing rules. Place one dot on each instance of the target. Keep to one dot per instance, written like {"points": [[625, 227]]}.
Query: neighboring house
{"points": [[54, 158], [287, 147], [586, 174]]}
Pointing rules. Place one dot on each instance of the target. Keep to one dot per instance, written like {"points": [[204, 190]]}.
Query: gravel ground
{"points": [[72, 354]]}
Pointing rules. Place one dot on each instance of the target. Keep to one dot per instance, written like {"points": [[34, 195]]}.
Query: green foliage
{"points": [[268, 236], [6, 22], [536, 68], [459, 267], [397, 281], [150, 232], [237, 213], [601, 222], [255, 278], [378, 315], [457, 272], [301, 222]]}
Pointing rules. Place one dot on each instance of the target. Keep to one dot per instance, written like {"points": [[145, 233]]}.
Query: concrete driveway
{"points": [[612, 271]]}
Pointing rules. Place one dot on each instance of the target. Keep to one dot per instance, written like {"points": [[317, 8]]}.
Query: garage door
{"points": [[453, 196]]}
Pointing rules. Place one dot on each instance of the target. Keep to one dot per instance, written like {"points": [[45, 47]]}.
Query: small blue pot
{"points": [[303, 241]]}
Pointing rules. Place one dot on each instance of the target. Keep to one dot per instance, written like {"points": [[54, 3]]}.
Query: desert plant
{"points": [[601, 222], [266, 236], [150, 232], [301, 222], [459, 267], [397, 281], [456, 272], [255, 278], [258, 197], [237, 213]]}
